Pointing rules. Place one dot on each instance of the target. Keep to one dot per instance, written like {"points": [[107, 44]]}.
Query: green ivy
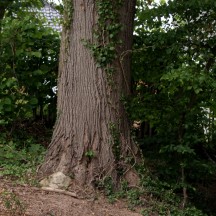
{"points": [[116, 145], [68, 13], [106, 34]]}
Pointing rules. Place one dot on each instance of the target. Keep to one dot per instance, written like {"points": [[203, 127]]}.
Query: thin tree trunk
{"points": [[91, 139]]}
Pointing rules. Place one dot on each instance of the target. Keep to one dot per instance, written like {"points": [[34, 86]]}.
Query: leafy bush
{"points": [[28, 67], [174, 93], [20, 160]]}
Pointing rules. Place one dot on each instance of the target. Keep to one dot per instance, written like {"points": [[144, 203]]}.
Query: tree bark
{"points": [[91, 138]]}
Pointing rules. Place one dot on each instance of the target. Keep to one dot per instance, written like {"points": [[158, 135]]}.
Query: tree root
{"points": [[60, 191]]}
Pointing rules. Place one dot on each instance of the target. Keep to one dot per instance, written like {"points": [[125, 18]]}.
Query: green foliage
{"points": [[174, 91], [124, 192], [28, 71], [8, 87], [28, 65], [158, 197], [90, 154], [20, 160], [115, 140], [152, 195], [107, 185], [163, 201], [68, 13], [106, 34]]}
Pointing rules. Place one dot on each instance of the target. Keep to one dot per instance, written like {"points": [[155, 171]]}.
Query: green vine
{"points": [[106, 34], [68, 13], [90, 154], [68, 17], [116, 144], [106, 40]]}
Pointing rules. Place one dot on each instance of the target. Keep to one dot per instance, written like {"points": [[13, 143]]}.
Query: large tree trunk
{"points": [[91, 139]]}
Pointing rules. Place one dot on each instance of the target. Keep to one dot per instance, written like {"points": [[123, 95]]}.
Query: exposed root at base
{"points": [[60, 191]]}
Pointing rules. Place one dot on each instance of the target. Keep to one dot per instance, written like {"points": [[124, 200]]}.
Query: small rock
{"points": [[57, 180]]}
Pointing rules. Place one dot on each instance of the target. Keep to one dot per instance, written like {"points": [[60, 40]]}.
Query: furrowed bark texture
{"points": [[87, 105]]}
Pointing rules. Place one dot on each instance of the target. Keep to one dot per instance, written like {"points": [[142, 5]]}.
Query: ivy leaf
{"points": [[36, 54], [7, 101], [33, 101]]}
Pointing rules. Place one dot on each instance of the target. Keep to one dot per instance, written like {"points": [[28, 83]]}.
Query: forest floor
{"points": [[24, 200]]}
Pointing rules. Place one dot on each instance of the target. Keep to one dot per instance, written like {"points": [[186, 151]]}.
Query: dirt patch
{"points": [[32, 201]]}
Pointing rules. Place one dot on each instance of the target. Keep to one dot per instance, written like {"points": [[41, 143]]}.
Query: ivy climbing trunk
{"points": [[91, 138]]}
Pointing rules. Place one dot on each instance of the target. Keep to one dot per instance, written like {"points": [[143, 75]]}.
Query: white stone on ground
{"points": [[57, 180]]}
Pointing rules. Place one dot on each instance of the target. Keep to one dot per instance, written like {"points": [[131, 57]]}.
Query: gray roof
{"points": [[52, 15]]}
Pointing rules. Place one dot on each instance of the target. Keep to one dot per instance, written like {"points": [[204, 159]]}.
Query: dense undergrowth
{"points": [[22, 150]]}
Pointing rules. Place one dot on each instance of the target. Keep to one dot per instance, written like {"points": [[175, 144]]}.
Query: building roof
{"points": [[52, 15]]}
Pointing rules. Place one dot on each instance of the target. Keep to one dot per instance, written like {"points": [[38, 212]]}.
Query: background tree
{"points": [[29, 51], [91, 139], [174, 71], [7, 5]]}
